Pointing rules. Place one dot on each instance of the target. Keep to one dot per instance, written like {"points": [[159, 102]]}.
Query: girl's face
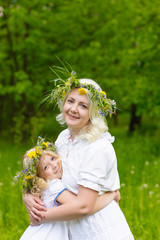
{"points": [[49, 167], [76, 110]]}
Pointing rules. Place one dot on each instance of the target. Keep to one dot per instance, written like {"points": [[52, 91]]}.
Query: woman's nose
{"points": [[74, 108]]}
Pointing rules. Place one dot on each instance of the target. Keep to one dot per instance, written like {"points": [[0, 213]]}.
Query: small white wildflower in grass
{"points": [[157, 185], [1, 183], [132, 171], [145, 185], [123, 184], [146, 163], [155, 162], [150, 193], [19, 162]]}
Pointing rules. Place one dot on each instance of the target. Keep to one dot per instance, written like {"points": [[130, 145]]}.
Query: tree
{"points": [[113, 42]]}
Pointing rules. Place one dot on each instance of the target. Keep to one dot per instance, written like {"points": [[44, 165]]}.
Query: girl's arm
{"points": [[101, 201], [76, 208], [80, 206]]}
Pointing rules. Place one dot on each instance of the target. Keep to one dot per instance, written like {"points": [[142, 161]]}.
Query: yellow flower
{"points": [[45, 144], [63, 93], [28, 177], [82, 91], [38, 151], [32, 154], [67, 83], [103, 93]]}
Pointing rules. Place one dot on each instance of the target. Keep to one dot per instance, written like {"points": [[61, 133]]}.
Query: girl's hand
{"points": [[118, 196], [35, 207]]}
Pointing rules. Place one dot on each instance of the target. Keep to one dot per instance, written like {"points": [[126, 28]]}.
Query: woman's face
{"points": [[49, 167], [76, 110]]}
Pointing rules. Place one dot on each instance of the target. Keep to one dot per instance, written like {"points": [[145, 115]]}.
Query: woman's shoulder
{"points": [[64, 133], [104, 140], [62, 137]]}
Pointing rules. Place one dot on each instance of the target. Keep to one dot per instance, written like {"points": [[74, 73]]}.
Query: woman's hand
{"points": [[35, 207], [34, 222]]}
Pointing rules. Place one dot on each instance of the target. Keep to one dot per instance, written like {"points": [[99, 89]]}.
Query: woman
{"points": [[89, 162]]}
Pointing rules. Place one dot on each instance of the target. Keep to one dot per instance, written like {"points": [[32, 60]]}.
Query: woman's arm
{"points": [[79, 207], [35, 207], [102, 201]]}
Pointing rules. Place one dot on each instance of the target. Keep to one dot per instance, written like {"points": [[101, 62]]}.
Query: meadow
{"points": [[139, 168]]}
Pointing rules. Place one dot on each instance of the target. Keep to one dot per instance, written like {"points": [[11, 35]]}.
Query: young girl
{"points": [[88, 159], [42, 177]]}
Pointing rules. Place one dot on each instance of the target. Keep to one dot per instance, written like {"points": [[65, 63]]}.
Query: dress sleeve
{"points": [[56, 187], [98, 169]]}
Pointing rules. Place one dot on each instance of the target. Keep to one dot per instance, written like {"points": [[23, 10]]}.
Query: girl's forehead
{"points": [[48, 156]]}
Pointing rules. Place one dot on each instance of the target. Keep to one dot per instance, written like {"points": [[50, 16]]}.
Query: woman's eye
{"points": [[83, 106], [70, 101], [52, 158]]}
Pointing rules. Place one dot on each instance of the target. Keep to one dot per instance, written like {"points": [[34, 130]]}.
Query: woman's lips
{"points": [[74, 117]]}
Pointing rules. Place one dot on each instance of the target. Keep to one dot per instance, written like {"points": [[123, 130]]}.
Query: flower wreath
{"points": [[27, 177], [70, 81]]}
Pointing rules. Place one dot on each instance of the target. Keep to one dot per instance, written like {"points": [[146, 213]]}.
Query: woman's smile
{"points": [[72, 116], [76, 111]]}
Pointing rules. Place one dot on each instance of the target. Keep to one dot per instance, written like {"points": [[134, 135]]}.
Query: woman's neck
{"points": [[73, 134]]}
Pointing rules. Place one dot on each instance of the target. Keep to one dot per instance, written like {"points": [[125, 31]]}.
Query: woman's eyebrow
{"points": [[84, 103], [79, 102]]}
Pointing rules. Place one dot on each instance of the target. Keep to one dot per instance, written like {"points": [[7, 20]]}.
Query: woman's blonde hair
{"points": [[97, 124], [38, 183]]}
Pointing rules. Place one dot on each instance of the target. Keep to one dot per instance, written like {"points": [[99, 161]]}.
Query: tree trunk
{"points": [[135, 120]]}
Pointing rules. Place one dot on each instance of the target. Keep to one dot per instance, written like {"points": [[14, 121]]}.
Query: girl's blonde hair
{"points": [[97, 124], [38, 183]]}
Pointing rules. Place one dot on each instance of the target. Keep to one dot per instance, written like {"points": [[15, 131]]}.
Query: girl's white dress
{"points": [[93, 165], [52, 230]]}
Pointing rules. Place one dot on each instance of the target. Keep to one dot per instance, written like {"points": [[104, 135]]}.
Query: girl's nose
{"points": [[54, 165]]}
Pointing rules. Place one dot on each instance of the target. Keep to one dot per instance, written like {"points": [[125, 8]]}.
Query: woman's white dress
{"points": [[93, 165], [52, 230]]}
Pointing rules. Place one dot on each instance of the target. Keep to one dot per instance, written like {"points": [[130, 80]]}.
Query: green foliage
{"points": [[113, 42], [138, 165]]}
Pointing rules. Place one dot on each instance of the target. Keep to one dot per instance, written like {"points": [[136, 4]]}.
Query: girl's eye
{"points": [[52, 158], [45, 167]]}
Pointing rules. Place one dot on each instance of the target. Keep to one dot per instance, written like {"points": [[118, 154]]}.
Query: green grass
{"points": [[139, 169]]}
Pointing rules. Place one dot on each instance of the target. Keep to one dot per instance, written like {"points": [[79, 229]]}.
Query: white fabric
{"points": [[93, 165], [53, 230]]}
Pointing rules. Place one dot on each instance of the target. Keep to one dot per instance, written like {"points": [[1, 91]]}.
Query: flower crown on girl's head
{"points": [[70, 81], [27, 177]]}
